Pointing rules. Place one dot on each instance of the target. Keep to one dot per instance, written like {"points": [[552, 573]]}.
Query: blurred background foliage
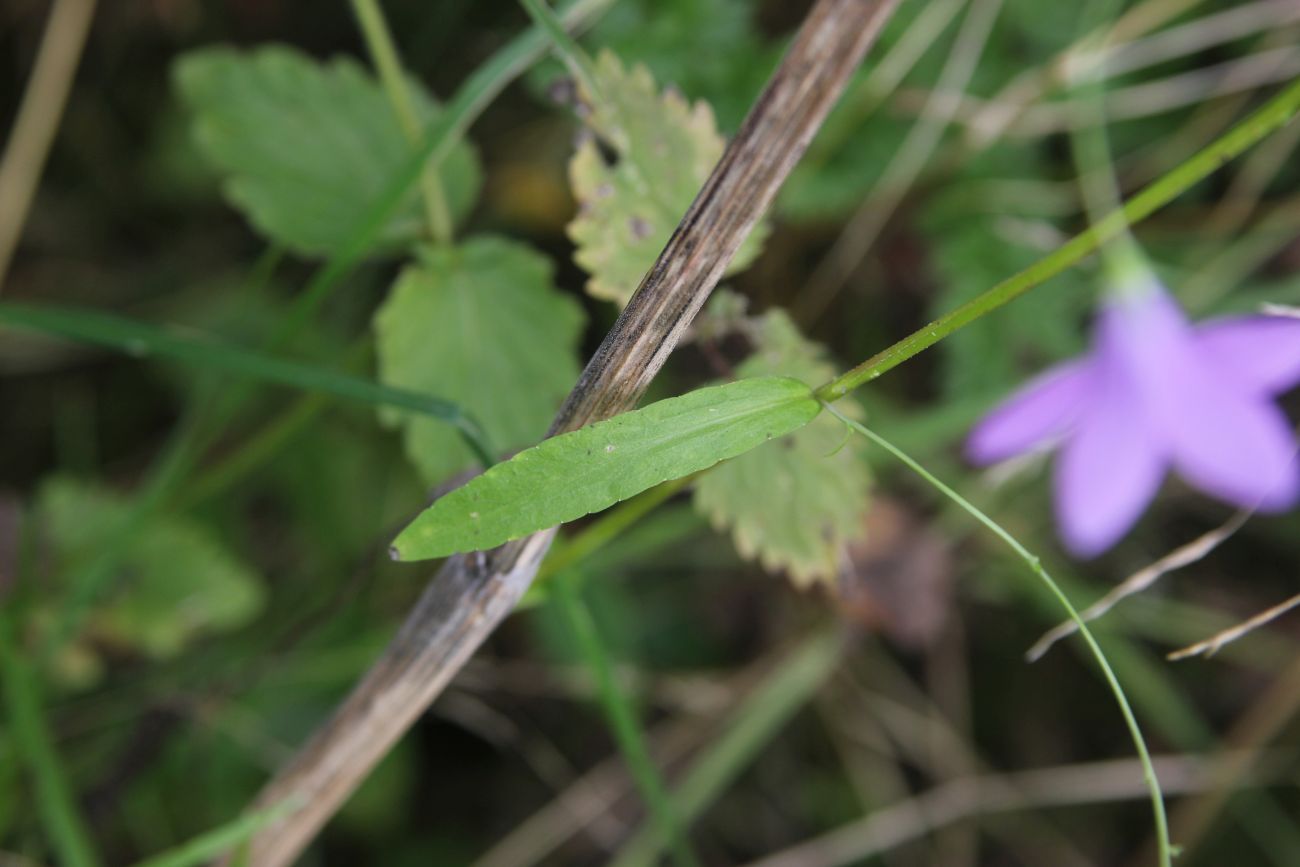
{"points": [[193, 564]]}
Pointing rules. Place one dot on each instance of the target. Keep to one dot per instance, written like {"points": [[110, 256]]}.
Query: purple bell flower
{"points": [[1156, 394]]}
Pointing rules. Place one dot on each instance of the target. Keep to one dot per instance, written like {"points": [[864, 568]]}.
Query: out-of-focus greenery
{"points": [[194, 566]]}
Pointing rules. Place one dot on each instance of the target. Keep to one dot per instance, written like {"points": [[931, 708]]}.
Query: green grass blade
{"points": [[141, 339], [622, 720], [749, 728], [1135, 731], [219, 841], [54, 799]]}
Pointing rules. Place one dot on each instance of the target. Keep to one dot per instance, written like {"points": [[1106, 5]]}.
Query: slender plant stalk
{"points": [[1273, 116], [622, 719], [383, 53], [38, 118], [54, 799], [1036, 565], [1093, 162]]}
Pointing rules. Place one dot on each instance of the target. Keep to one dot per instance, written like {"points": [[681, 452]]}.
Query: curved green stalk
{"points": [[622, 720], [1035, 564], [1273, 116]]}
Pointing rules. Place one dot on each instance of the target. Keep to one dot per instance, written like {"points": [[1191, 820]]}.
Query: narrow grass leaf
{"points": [[588, 470], [55, 803], [749, 729], [220, 840], [141, 339], [622, 719]]}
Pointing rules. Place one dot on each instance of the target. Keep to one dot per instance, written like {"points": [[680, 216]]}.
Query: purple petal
{"points": [[1234, 445], [1041, 411], [1261, 351], [1142, 342], [1107, 472]]}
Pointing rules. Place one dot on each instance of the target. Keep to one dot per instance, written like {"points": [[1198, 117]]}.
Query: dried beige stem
{"points": [[470, 595], [38, 118]]}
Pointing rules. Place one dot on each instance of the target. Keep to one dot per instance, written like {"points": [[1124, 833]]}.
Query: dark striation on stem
{"points": [[471, 594]]}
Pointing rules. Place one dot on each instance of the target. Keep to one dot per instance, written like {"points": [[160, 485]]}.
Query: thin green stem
{"points": [[1274, 115], [253, 452], [383, 53], [1090, 147], [622, 720], [1036, 565], [31, 734], [568, 50], [440, 135]]}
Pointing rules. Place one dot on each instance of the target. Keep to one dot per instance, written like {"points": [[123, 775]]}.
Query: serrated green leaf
{"points": [[480, 325], [306, 146], [793, 504], [665, 149], [578, 473], [176, 582]]}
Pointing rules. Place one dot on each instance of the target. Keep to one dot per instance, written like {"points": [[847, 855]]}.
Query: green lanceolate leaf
{"points": [[483, 326], [664, 148], [578, 473], [792, 504], [306, 147]]}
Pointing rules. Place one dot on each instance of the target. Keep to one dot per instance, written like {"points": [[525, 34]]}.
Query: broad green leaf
{"points": [[176, 582], [480, 325], [306, 146], [578, 473], [664, 150], [793, 504]]}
